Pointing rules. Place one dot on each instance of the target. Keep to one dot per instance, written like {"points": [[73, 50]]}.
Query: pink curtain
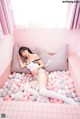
{"points": [[5, 17], [73, 16]]}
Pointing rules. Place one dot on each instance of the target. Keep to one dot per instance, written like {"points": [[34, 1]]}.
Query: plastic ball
{"points": [[13, 96], [4, 93], [51, 100], [24, 93], [25, 98], [6, 97], [61, 102], [9, 93], [73, 95], [23, 74], [64, 92], [70, 86], [1, 90], [1, 95], [33, 98], [68, 92], [1, 99], [76, 99], [10, 76], [9, 99], [6, 83]]}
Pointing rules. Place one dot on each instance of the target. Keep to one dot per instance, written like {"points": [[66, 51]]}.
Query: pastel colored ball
{"points": [[13, 96], [9, 93], [1, 90], [10, 76], [73, 95], [6, 97]]}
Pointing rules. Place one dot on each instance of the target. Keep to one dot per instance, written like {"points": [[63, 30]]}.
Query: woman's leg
{"points": [[28, 88], [43, 78]]}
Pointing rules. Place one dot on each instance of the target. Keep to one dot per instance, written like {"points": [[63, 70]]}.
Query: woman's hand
{"points": [[35, 72], [22, 64], [18, 56]]}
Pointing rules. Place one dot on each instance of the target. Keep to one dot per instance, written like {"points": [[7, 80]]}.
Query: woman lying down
{"points": [[36, 66]]}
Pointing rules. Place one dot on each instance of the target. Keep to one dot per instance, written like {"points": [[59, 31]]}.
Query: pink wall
{"points": [[6, 47], [49, 39]]}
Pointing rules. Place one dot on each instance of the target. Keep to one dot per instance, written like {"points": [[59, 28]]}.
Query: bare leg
{"points": [[48, 93]]}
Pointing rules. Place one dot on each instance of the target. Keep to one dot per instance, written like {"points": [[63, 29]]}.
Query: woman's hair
{"points": [[22, 49]]}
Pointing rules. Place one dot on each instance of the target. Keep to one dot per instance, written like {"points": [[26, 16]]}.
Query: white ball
{"points": [[6, 89], [4, 94], [73, 95], [69, 95], [9, 93], [1, 94], [23, 74], [14, 91], [50, 76], [1, 90], [66, 87], [9, 86], [17, 96], [70, 86], [13, 96], [17, 80], [6, 83], [60, 91], [24, 93], [76, 99], [64, 92], [68, 92]]}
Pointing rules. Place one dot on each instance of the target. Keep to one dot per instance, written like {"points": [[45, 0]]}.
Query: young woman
{"points": [[36, 66]]}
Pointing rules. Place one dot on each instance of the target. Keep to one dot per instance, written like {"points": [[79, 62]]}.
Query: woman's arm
{"points": [[40, 62], [22, 64]]}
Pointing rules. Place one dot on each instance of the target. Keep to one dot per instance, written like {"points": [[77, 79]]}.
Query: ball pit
{"points": [[58, 81]]}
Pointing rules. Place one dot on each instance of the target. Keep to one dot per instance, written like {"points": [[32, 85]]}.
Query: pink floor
{"points": [[25, 110]]}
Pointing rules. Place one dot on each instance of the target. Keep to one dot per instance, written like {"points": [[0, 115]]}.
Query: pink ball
{"points": [[14, 74], [55, 89], [64, 84], [9, 99], [18, 84], [6, 97], [1, 99], [50, 87], [10, 76], [73, 89], [51, 100], [61, 102], [21, 99], [55, 100], [28, 95]]}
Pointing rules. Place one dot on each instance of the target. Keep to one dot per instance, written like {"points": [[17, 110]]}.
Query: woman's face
{"points": [[25, 53]]}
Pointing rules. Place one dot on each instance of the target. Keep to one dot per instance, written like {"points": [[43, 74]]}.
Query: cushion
{"points": [[15, 63], [58, 61]]}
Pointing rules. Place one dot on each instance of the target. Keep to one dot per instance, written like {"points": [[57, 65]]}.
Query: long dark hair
{"points": [[22, 49]]}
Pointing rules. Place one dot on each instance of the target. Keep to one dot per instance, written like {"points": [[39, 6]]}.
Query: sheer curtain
{"points": [[5, 17], [39, 13], [73, 16]]}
